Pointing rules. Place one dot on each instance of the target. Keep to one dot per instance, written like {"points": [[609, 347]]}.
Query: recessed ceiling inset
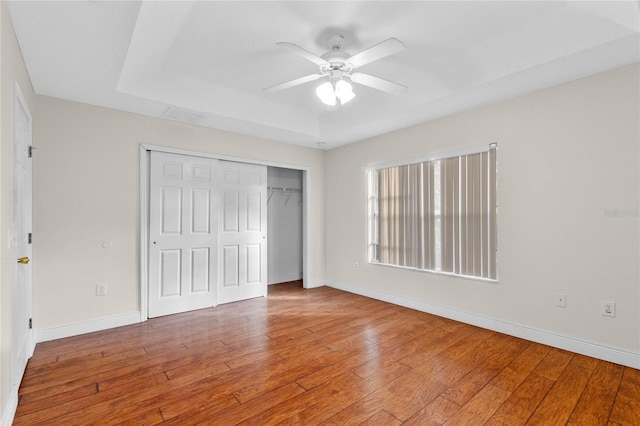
{"points": [[210, 60]]}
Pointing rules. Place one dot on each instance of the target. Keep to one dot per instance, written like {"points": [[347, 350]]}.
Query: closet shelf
{"points": [[276, 188], [283, 190]]}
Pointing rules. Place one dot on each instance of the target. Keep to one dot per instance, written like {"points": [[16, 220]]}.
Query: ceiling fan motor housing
{"points": [[336, 61]]}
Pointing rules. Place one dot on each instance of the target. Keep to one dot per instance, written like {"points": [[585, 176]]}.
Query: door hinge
{"points": [[30, 323], [31, 148], [29, 238]]}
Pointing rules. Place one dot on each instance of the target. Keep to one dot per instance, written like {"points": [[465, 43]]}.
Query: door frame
{"points": [[145, 164]]}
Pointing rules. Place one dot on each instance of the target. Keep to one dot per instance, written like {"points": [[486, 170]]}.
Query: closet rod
{"points": [[275, 188]]}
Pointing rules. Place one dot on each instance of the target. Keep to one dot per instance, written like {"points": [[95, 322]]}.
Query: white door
{"points": [[183, 241], [21, 235], [243, 231]]}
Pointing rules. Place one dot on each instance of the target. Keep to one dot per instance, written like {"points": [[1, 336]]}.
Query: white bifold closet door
{"points": [[183, 241], [207, 232], [242, 231]]}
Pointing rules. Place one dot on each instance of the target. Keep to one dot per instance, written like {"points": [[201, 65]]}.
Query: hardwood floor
{"points": [[320, 356]]}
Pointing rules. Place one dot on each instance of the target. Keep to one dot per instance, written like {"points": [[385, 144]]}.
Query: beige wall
{"points": [[565, 156], [86, 190], [12, 69]]}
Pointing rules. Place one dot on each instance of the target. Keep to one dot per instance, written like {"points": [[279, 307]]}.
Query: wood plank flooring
{"points": [[320, 356]]}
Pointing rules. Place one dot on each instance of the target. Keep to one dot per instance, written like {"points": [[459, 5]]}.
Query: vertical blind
{"points": [[438, 215]]}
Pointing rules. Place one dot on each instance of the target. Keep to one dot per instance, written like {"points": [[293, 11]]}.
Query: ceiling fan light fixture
{"points": [[327, 94], [344, 91]]}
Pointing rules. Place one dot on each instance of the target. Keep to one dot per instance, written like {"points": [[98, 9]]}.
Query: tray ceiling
{"points": [[207, 62]]}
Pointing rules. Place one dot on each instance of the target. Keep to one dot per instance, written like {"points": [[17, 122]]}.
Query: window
{"points": [[437, 215]]}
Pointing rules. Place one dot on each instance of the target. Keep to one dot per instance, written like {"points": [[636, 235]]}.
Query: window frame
{"points": [[373, 214]]}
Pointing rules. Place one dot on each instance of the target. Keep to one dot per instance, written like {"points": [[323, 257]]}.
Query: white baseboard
{"points": [[594, 350], [315, 283], [285, 278], [9, 410], [43, 335]]}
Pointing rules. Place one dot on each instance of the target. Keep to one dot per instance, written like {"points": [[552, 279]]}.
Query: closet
{"points": [[207, 232], [284, 225]]}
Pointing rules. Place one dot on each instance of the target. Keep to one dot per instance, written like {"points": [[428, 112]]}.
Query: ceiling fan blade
{"points": [[378, 83], [292, 83], [379, 51], [303, 52]]}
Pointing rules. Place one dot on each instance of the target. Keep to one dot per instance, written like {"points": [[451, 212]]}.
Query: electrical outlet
{"points": [[356, 266], [608, 309], [561, 300], [101, 289]]}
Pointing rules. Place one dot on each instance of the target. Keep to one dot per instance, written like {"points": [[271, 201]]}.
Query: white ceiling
{"points": [[206, 62]]}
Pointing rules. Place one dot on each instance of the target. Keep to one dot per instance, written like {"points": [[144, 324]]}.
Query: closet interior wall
{"points": [[284, 225]]}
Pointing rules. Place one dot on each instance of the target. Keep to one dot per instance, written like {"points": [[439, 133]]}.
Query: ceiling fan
{"points": [[338, 66]]}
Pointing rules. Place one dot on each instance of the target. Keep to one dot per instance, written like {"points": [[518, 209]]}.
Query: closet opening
{"points": [[285, 225]]}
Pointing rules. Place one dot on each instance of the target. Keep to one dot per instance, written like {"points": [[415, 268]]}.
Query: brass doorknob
{"points": [[23, 260]]}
